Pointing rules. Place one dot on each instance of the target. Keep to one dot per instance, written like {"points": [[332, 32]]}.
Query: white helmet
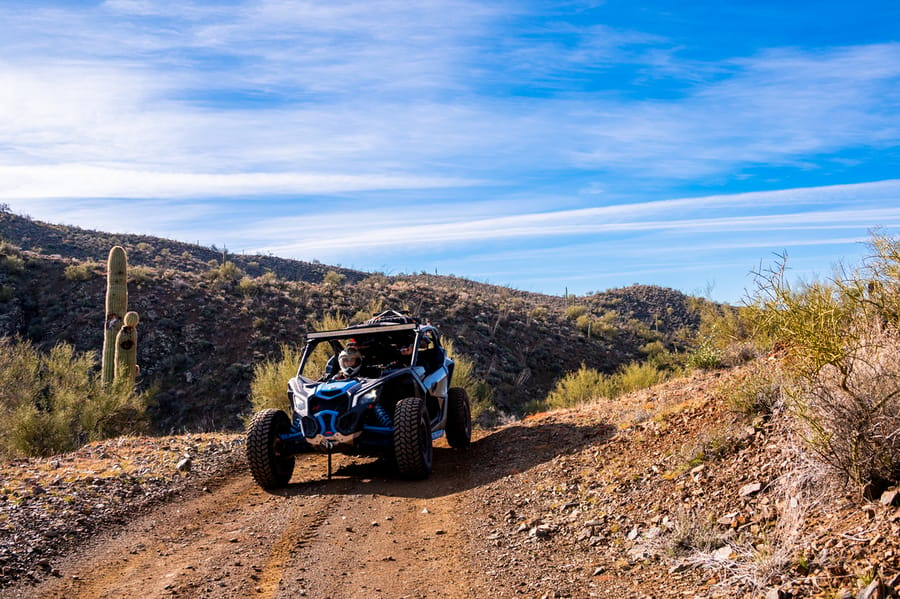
{"points": [[350, 360]]}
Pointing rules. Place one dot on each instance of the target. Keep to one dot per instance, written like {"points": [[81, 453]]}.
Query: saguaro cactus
{"points": [[116, 306], [126, 351]]}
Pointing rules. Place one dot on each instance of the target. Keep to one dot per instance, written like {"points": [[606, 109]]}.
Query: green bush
{"points": [[637, 375], [584, 323], [248, 286], [225, 274], [331, 321], [574, 311], [706, 356], [579, 387], [80, 272], [270, 378], [840, 342], [586, 385], [724, 336], [333, 279], [140, 274], [375, 306], [50, 403], [480, 394], [12, 263], [538, 313]]}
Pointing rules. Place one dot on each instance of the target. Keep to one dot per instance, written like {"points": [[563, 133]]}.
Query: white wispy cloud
{"points": [[74, 180], [342, 90], [329, 239], [855, 209]]}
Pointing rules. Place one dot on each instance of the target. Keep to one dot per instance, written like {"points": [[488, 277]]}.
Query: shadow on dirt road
{"points": [[490, 457]]}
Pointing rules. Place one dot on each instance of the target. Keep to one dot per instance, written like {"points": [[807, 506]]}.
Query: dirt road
{"points": [[362, 534], [593, 503], [365, 533]]}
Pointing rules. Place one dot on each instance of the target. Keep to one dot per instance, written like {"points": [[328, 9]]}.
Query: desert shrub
{"points": [[139, 273], [840, 340], [55, 402], [664, 360], [268, 278], [12, 263], [636, 375], [578, 387], [268, 389], [80, 272], [852, 411], [584, 323], [574, 311], [538, 313], [587, 384], [759, 391], [606, 326], [689, 533], [375, 306], [225, 274], [480, 394], [333, 279], [724, 336], [248, 286], [331, 321], [705, 356]]}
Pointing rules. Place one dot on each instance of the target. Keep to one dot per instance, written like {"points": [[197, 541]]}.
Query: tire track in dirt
{"points": [[209, 545], [299, 530], [364, 533]]}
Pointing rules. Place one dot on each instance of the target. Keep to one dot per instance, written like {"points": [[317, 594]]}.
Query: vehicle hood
{"points": [[335, 388]]}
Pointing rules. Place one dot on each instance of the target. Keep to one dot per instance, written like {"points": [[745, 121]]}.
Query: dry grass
{"points": [[782, 555]]}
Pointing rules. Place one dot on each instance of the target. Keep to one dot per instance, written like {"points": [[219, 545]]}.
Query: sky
{"points": [[555, 147]]}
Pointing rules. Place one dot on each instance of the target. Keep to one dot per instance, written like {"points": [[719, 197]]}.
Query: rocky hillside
{"points": [[207, 316]]}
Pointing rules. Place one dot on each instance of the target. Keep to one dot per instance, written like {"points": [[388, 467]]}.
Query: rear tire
{"points": [[270, 468], [459, 418], [412, 438]]}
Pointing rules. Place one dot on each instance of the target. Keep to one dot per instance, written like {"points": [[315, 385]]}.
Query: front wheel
{"points": [[412, 438], [459, 418], [269, 466]]}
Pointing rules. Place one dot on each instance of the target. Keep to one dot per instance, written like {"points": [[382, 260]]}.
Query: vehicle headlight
{"points": [[369, 396], [297, 401]]}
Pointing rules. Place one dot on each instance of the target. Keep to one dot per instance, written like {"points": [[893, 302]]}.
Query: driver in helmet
{"points": [[350, 361]]}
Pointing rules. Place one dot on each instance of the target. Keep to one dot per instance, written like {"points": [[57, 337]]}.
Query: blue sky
{"points": [[549, 146]]}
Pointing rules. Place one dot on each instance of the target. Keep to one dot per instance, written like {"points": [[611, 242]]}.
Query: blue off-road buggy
{"points": [[378, 388]]}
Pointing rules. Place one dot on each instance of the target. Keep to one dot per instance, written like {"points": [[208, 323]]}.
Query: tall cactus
{"points": [[116, 306], [126, 351]]}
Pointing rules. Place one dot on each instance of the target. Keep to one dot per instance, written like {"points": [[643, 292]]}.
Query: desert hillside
{"points": [[204, 325]]}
